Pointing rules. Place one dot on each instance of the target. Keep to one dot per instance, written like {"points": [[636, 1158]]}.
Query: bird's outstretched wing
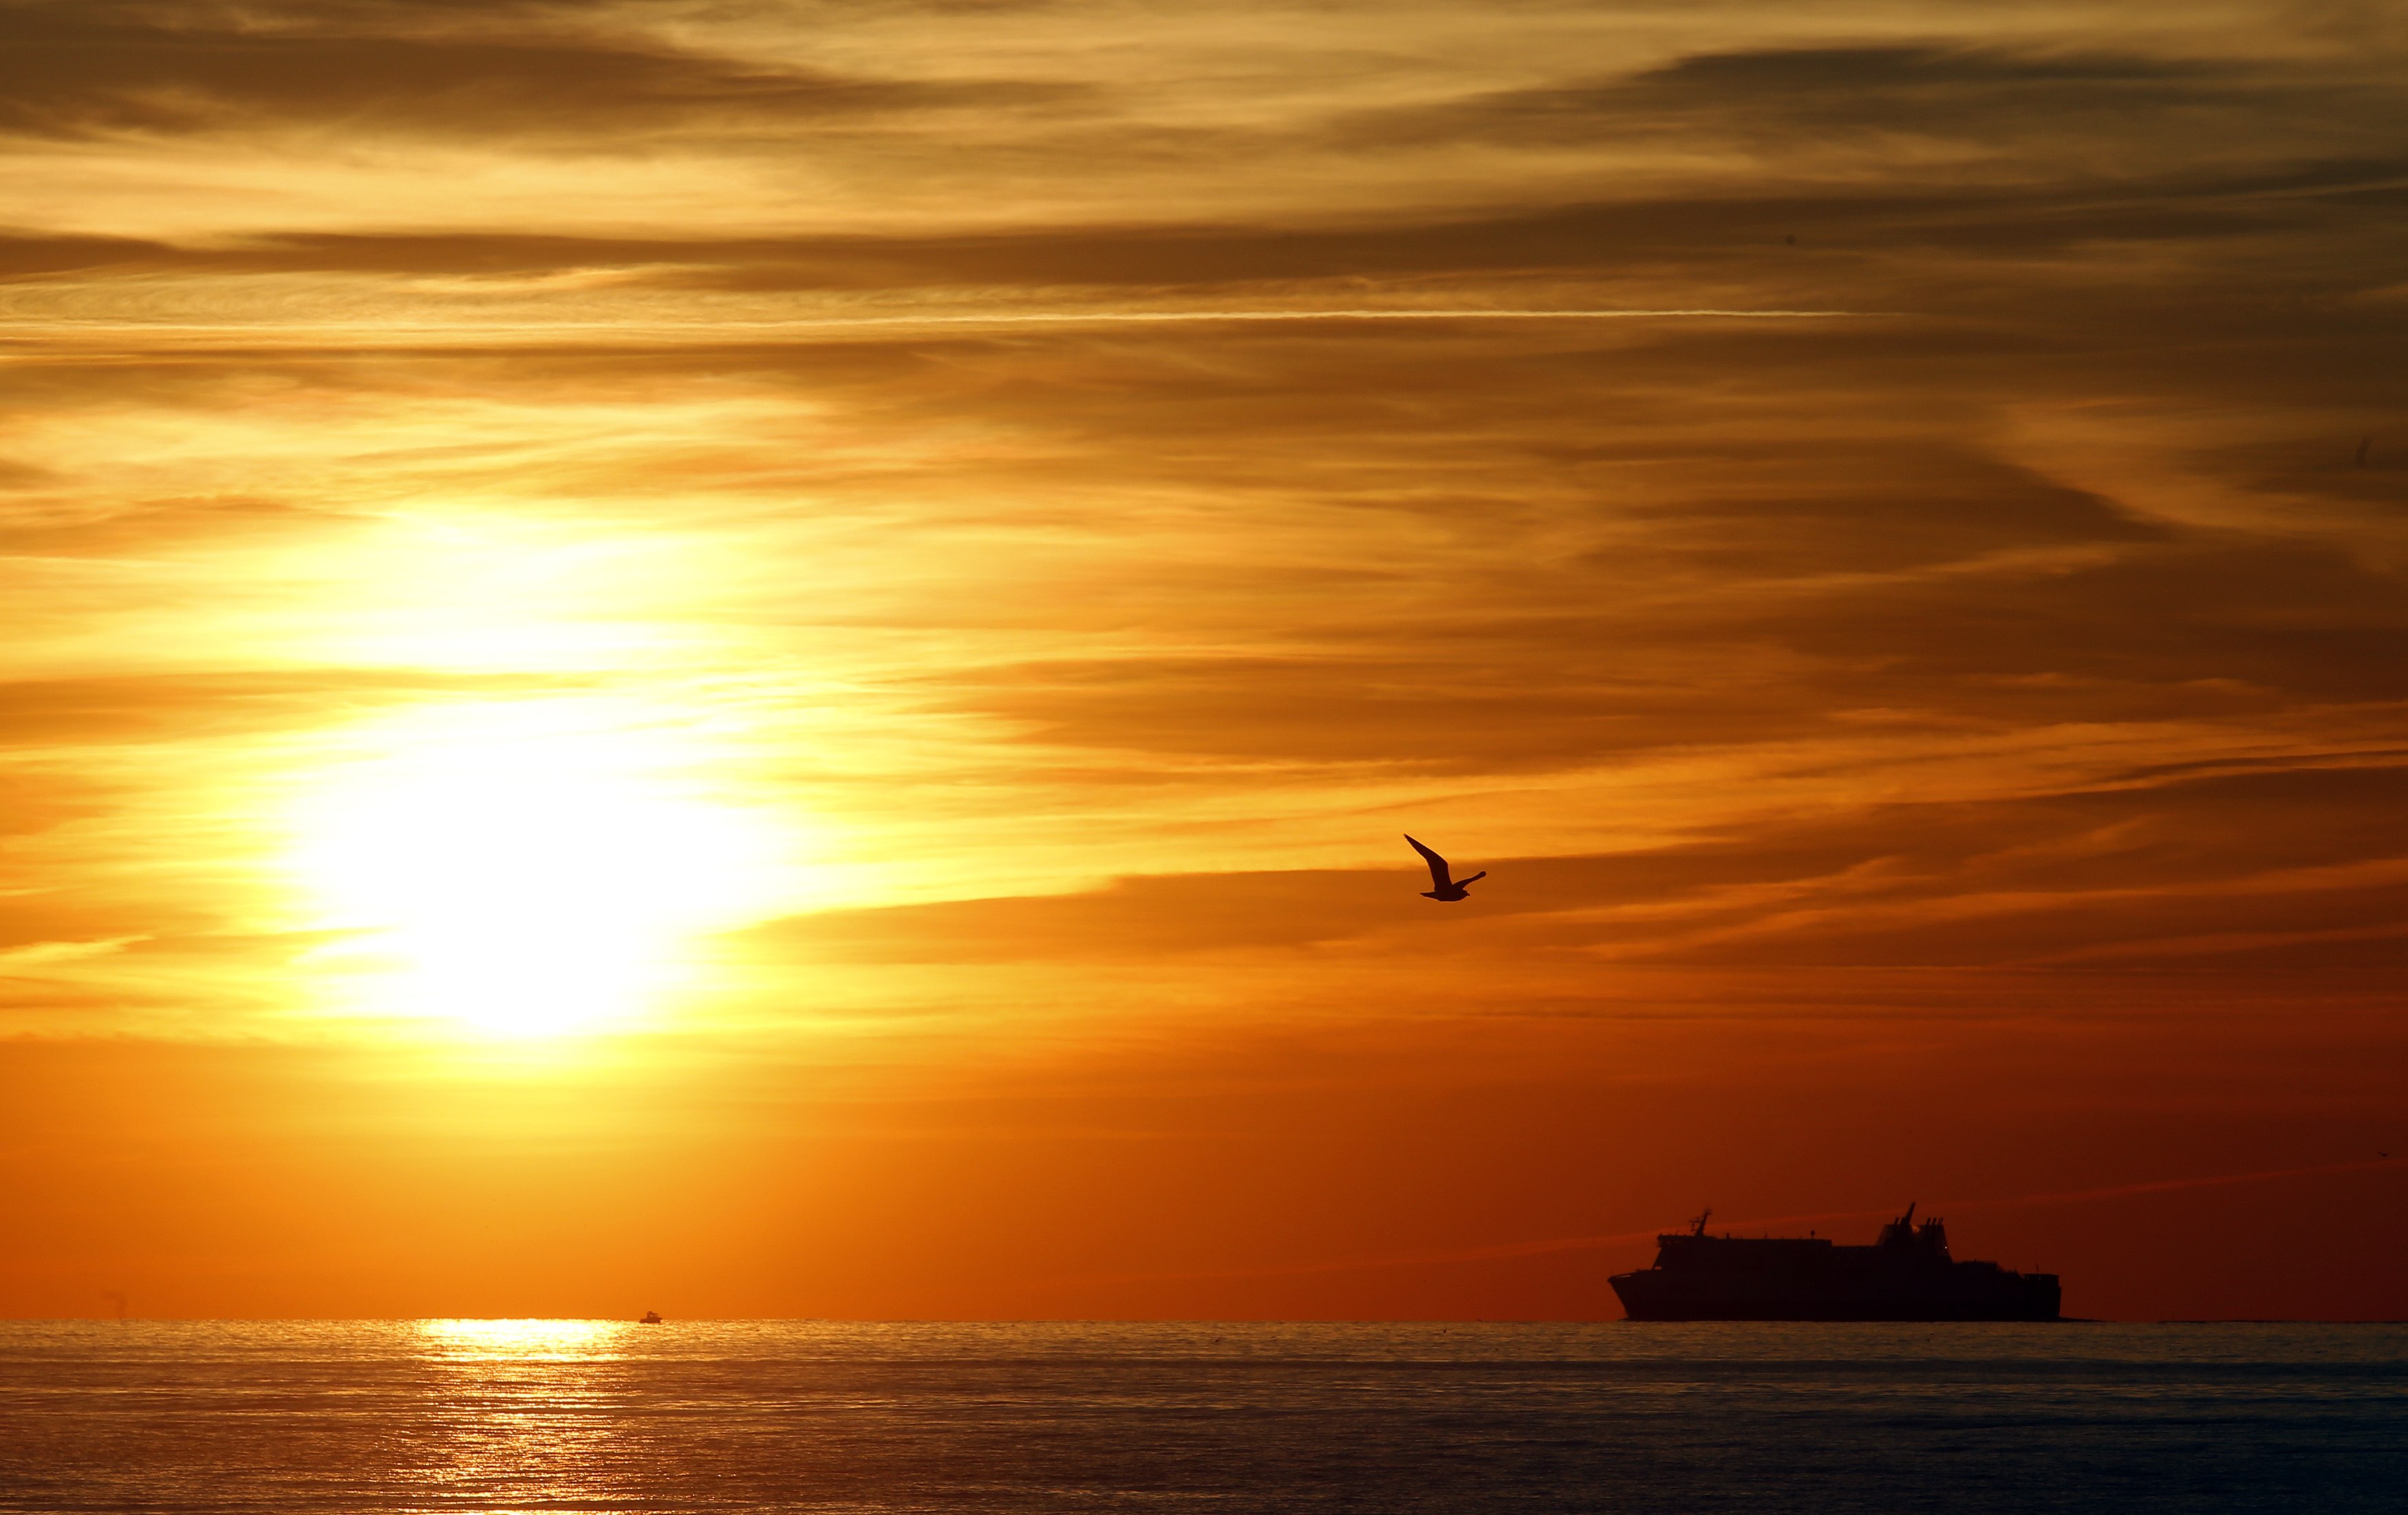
{"points": [[1439, 879]]}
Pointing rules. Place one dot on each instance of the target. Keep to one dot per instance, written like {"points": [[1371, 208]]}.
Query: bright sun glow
{"points": [[527, 869]]}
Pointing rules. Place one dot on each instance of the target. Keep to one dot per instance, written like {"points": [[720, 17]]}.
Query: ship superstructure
{"points": [[1906, 1275]]}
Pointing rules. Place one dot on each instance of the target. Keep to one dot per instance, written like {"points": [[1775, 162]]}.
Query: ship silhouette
{"points": [[1907, 1275]]}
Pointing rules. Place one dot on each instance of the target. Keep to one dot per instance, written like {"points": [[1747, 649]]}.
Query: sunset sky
{"points": [[757, 658]]}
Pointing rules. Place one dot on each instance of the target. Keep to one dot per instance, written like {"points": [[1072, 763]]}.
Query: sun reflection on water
{"points": [[522, 1412], [523, 1340]]}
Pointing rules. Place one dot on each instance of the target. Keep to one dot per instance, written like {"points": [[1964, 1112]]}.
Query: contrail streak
{"points": [[70, 328], [1070, 317], [2167, 1185], [1569, 1244]]}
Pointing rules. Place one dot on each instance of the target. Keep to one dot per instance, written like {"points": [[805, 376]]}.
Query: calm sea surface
{"points": [[572, 1415]]}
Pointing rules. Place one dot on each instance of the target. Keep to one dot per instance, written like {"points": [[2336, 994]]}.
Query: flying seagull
{"points": [[1442, 886]]}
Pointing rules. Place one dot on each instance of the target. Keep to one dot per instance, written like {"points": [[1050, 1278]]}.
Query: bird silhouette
{"points": [[1442, 885]]}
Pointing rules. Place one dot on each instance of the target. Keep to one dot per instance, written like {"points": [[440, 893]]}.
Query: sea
{"points": [[1449, 1419]]}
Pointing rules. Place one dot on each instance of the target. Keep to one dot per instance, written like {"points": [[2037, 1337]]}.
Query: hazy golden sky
{"points": [[768, 658]]}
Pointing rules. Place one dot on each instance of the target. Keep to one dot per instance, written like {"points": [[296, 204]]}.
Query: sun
{"points": [[523, 870]]}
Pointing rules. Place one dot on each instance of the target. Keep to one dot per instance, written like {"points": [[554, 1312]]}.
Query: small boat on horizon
{"points": [[651, 1317]]}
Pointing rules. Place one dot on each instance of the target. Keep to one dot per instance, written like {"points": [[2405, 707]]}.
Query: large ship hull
{"points": [[1651, 1295], [1907, 1275]]}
